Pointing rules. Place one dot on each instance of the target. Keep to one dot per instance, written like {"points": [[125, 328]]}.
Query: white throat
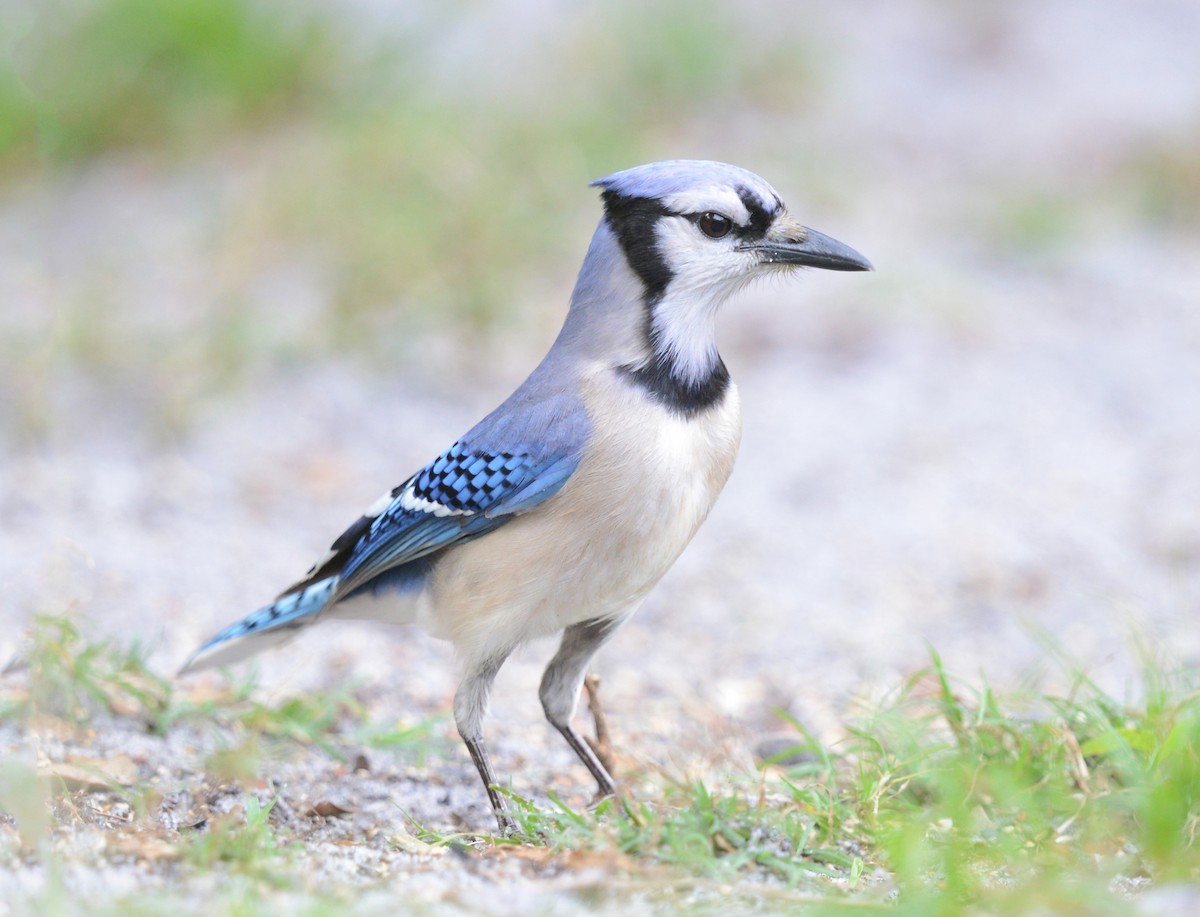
{"points": [[683, 334]]}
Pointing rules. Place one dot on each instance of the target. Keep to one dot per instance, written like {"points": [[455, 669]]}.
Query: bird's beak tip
{"points": [[813, 249]]}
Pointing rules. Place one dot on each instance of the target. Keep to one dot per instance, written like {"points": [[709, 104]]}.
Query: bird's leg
{"points": [[560, 692], [602, 744], [470, 707], [483, 764]]}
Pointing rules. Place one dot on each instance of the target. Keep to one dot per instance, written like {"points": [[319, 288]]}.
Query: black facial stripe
{"points": [[633, 219], [760, 217], [679, 397]]}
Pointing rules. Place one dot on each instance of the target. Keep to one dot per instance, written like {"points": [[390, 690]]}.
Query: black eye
{"points": [[714, 225]]}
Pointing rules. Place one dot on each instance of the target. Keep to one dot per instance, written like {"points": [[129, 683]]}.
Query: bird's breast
{"points": [[647, 480], [652, 472]]}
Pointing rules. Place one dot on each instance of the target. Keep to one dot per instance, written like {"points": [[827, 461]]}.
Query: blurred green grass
{"points": [[85, 79], [947, 798], [423, 174], [408, 182], [1164, 177]]}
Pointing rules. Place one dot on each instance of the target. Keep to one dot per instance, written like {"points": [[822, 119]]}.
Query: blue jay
{"points": [[562, 508]]}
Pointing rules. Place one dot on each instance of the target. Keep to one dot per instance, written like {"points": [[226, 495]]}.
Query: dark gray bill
{"points": [[817, 250]]}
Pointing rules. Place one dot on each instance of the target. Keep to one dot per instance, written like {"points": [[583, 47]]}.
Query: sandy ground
{"points": [[986, 440]]}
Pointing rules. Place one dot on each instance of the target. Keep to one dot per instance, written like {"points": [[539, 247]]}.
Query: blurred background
{"points": [[259, 261]]}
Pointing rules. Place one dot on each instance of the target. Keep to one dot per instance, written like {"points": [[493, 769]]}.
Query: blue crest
{"points": [[674, 176]]}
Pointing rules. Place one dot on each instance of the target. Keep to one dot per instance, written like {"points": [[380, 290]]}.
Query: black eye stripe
{"points": [[760, 216]]}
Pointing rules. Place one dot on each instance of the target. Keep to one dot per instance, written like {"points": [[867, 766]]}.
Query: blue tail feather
{"points": [[266, 626]]}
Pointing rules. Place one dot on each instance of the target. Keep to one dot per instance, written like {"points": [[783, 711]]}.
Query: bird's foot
{"points": [[509, 828]]}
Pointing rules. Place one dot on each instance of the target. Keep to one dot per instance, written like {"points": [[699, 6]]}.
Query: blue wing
{"points": [[466, 492], [513, 460]]}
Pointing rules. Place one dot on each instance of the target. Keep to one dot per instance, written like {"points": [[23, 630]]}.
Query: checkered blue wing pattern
{"points": [[463, 494], [467, 481]]}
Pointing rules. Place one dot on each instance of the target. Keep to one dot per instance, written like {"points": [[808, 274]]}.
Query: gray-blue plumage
{"points": [[658, 181], [565, 505], [478, 490], [518, 456], [286, 613]]}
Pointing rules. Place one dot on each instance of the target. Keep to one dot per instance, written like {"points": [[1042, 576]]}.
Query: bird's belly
{"points": [[596, 548]]}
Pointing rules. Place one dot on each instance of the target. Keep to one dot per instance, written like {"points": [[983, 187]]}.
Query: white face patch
{"points": [[704, 273], [696, 262], [699, 200], [697, 259]]}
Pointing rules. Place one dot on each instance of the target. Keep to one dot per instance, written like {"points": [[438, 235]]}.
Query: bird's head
{"points": [[708, 227], [693, 232]]}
